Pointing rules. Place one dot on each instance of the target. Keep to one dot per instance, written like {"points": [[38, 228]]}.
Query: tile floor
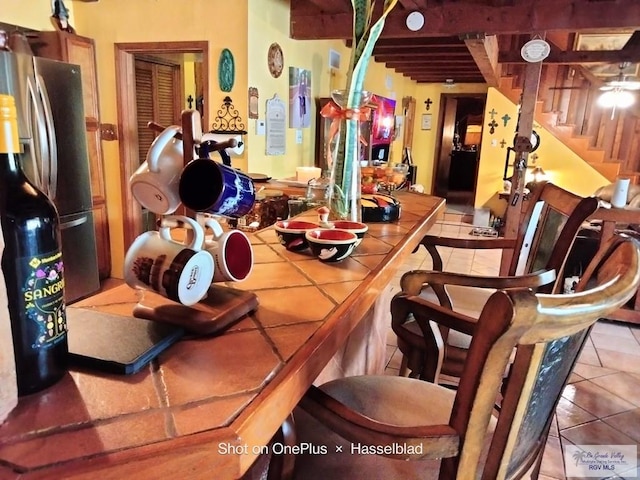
{"points": [[601, 404]]}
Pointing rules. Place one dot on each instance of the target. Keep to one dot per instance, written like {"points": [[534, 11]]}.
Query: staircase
{"points": [[567, 108]]}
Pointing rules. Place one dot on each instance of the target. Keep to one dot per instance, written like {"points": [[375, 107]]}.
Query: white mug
{"points": [[231, 252], [155, 183], [157, 262]]}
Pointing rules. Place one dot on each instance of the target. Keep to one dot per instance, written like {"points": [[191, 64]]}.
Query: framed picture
{"points": [[253, 102], [602, 41], [299, 97], [426, 121], [606, 41]]}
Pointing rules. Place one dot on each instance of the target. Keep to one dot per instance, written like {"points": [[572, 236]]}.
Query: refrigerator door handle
{"points": [[52, 168], [73, 223], [37, 121]]}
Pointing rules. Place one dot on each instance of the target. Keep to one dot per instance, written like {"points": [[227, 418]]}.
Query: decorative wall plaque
{"points": [[276, 126], [226, 70], [275, 60]]}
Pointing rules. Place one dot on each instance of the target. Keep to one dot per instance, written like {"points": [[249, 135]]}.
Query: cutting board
{"points": [[222, 307]]}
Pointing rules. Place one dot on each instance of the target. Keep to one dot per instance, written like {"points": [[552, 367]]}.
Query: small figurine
{"points": [[60, 17], [323, 217]]}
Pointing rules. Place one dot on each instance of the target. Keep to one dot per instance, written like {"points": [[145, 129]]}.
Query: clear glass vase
{"points": [[345, 153]]}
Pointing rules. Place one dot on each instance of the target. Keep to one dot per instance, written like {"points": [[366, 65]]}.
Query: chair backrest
{"points": [[548, 331], [548, 230]]}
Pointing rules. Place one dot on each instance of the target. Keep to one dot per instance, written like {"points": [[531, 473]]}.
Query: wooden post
{"points": [[191, 135], [522, 148]]}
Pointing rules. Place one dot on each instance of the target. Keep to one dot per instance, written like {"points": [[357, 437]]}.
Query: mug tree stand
{"points": [[223, 306]]}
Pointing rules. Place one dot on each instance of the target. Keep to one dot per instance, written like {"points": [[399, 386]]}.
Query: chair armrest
{"points": [[413, 281], [402, 305], [438, 441]]}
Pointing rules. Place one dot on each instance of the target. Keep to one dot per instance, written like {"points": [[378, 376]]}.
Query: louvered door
{"points": [[157, 99]]}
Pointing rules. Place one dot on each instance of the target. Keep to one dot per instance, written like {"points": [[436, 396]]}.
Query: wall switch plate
{"points": [[260, 127], [298, 136]]}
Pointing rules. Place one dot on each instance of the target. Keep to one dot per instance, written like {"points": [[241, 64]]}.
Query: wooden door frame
{"points": [[127, 116], [445, 135]]}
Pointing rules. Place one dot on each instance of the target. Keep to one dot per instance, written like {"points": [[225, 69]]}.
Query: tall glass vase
{"points": [[344, 152]]}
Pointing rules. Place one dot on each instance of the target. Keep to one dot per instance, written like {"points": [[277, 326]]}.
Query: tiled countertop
{"points": [[192, 412]]}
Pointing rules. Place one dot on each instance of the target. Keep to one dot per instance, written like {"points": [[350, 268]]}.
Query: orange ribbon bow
{"points": [[334, 111]]}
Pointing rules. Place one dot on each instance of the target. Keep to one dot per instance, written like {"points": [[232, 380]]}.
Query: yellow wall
{"points": [[35, 14], [562, 166], [120, 21], [189, 80]]}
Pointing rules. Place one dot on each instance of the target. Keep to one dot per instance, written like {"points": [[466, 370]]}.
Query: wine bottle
{"points": [[32, 266]]}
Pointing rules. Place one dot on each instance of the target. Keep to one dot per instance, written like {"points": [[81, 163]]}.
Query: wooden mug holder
{"points": [[223, 305]]}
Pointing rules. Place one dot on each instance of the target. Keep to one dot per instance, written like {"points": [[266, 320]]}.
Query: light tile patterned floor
{"points": [[601, 404]]}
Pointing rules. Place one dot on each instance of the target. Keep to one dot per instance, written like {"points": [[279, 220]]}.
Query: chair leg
{"points": [[404, 369]]}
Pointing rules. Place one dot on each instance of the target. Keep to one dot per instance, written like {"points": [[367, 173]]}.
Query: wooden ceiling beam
{"points": [[430, 66], [457, 18], [441, 62], [420, 57], [434, 42], [411, 5], [484, 51], [631, 54], [428, 49]]}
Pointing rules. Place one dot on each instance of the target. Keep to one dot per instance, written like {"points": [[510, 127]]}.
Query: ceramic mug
{"points": [[231, 252], [209, 186], [155, 183], [157, 262]]}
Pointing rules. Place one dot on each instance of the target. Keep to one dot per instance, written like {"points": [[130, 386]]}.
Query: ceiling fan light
{"points": [[616, 98]]}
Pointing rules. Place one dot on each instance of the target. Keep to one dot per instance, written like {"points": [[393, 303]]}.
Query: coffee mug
{"points": [[157, 262], [209, 186], [155, 183], [231, 252]]}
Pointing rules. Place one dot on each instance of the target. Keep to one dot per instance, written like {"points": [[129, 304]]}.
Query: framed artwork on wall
{"points": [[299, 98], [426, 121], [253, 102], [606, 41]]}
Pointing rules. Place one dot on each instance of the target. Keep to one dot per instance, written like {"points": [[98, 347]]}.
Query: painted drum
{"points": [[379, 207], [209, 186]]}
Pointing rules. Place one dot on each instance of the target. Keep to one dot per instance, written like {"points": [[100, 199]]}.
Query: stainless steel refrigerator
{"points": [[51, 126]]}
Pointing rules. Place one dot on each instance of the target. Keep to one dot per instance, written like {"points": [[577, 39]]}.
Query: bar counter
{"points": [[208, 405]]}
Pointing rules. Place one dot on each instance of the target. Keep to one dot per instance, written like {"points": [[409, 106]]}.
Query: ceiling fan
{"points": [[617, 93]]}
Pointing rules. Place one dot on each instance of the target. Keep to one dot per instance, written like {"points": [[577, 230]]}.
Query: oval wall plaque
{"points": [[226, 70]]}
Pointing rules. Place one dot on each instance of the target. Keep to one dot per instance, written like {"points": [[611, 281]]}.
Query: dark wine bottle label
{"points": [[43, 299]]}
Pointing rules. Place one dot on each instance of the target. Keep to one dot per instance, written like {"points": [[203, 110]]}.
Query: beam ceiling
{"points": [[466, 39]]}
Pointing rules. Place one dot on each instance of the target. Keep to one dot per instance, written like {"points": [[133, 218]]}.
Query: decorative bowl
{"points": [[358, 228], [379, 207], [331, 245], [291, 233]]}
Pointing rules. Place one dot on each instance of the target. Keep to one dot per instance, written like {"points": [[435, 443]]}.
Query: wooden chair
{"points": [[449, 434], [546, 234]]}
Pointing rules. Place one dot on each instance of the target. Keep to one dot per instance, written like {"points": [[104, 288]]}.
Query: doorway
{"points": [[458, 149], [128, 57]]}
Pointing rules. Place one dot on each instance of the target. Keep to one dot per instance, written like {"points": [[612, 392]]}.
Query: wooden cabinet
{"points": [[79, 50]]}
